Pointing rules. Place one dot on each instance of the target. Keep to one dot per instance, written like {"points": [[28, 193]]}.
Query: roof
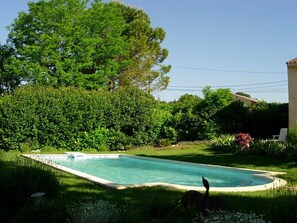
{"points": [[293, 61], [245, 100]]}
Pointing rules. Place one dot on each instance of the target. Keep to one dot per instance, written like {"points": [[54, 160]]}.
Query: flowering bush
{"points": [[230, 217], [98, 211], [243, 140]]}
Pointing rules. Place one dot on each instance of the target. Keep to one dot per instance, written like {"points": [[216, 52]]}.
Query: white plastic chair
{"points": [[282, 135]]}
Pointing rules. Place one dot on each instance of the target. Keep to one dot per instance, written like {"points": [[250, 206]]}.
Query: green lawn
{"points": [[67, 197]]}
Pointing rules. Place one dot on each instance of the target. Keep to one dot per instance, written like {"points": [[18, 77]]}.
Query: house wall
{"points": [[245, 100], [292, 85]]}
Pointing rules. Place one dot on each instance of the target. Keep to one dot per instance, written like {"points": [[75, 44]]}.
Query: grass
{"points": [[67, 195]]}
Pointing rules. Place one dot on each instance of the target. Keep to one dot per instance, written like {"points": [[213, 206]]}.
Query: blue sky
{"points": [[241, 45]]}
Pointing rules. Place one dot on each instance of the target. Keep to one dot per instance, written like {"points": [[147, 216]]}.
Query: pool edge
{"points": [[277, 182]]}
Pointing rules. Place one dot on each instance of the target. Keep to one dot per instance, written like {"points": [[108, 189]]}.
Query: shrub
{"points": [[292, 135], [165, 142], [291, 152], [230, 217], [98, 211], [225, 143], [101, 139], [243, 141], [162, 209], [169, 133], [268, 148]]}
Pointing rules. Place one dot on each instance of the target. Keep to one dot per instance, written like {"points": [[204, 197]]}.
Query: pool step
{"points": [[75, 154]]}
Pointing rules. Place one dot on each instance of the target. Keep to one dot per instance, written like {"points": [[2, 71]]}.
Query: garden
{"points": [[79, 76], [71, 199], [212, 130]]}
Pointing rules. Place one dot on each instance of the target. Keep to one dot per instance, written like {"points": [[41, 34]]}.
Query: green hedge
{"points": [[261, 120], [77, 119], [197, 123]]}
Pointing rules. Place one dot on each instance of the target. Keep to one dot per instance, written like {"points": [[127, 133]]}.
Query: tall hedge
{"points": [[266, 119], [261, 120], [76, 119], [219, 114]]}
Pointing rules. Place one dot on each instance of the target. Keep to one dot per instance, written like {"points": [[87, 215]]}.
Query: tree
{"points": [[207, 110], [97, 45], [185, 103], [184, 119], [8, 79], [215, 100], [51, 42], [110, 54], [145, 68]]}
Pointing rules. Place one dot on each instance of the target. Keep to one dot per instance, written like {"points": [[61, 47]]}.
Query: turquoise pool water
{"points": [[130, 170]]}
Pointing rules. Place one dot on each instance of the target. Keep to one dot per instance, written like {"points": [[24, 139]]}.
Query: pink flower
{"points": [[243, 139]]}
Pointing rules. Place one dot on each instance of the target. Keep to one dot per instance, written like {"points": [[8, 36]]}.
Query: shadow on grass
{"points": [[18, 180], [157, 204], [226, 159], [276, 205]]}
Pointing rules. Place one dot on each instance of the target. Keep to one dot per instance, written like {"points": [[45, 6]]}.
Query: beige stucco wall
{"points": [[245, 100], [292, 85]]}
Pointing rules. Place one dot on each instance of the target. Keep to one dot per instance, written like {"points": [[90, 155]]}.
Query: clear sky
{"points": [[236, 44]]}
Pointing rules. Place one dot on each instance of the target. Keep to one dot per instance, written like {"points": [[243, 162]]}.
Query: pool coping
{"points": [[46, 159]]}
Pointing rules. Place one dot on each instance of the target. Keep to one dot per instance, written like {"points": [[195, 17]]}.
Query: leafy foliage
{"points": [[217, 113], [260, 147], [213, 102], [292, 135], [76, 118], [86, 120], [233, 118], [266, 119], [95, 46], [224, 143], [145, 55], [8, 79], [269, 148], [196, 118], [184, 118]]}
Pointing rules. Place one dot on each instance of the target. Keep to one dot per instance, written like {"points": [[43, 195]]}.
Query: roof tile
{"points": [[293, 61]]}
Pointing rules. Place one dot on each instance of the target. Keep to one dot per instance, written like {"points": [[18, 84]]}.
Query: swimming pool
{"points": [[123, 171]]}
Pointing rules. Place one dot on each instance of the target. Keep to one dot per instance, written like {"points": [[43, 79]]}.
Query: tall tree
{"points": [[145, 69], [105, 25], [51, 43], [8, 78], [97, 45]]}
